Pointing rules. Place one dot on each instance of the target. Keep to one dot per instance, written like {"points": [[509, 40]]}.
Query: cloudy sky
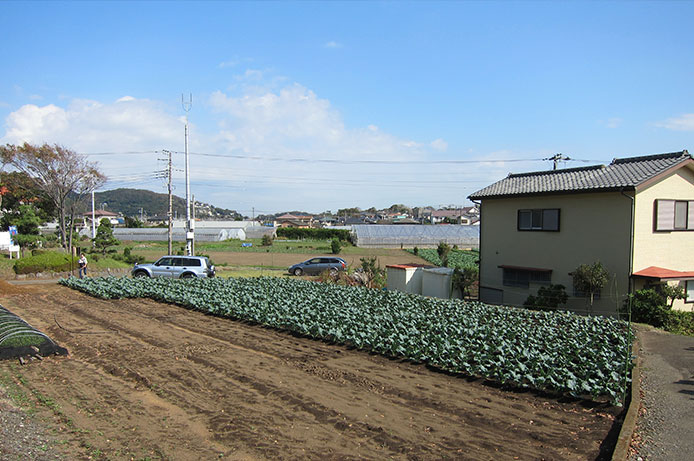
{"points": [[318, 106]]}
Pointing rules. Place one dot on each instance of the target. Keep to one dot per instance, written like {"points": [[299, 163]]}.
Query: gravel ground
{"points": [[665, 426], [22, 438]]}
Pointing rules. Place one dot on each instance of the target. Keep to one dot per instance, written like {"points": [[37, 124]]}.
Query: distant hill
{"points": [[129, 202]]}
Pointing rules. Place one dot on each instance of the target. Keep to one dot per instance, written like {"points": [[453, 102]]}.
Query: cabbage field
{"points": [[553, 351], [460, 259]]}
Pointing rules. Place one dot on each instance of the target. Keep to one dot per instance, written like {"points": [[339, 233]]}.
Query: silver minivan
{"points": [[178, 267]]}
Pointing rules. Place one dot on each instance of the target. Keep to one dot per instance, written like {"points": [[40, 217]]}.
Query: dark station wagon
{"points": [[317, 265]]}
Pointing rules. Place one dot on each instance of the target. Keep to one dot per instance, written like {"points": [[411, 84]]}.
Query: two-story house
{"points": [[635, 216]]}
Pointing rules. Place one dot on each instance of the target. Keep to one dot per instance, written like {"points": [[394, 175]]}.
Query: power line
{"points": [[342, 161]]}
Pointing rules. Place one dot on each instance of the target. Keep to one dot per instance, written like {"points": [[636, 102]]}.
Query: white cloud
{"points": [[684, 122], [225, 64], [439, 144], [332, 44], [35, 97], [614, 122], [86, 126], [278, 123]]}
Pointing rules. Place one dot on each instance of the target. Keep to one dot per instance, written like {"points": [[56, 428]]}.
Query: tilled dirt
{"points": [[146, 379]]}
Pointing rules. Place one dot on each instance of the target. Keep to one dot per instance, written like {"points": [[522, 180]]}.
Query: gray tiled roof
{"points": [[621, 173]]}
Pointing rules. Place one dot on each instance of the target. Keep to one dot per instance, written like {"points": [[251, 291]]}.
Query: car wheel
{"points": [[333, 271], [141, 275], [187, 276], [298, 271]]}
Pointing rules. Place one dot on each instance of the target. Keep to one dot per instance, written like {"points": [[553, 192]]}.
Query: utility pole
{"points": [[190, 224], [193, 226], [556, 158], [93, 220], [170, 213]]}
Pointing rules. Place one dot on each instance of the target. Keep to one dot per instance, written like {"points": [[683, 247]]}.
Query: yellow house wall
{"points": [[670, 250], [593, 227]]}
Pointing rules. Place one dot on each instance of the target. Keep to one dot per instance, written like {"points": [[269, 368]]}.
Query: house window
{"points": [[674, 215], [523, 277], [539, 219], [689, 292]]}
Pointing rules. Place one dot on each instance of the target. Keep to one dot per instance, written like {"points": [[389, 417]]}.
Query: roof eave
{"points": [[556, 192], [654, 179]]}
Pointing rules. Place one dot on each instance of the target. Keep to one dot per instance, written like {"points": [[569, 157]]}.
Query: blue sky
{"points": [[323, 105]]}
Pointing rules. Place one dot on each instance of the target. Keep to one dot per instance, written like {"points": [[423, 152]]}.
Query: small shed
{"points": [[405, 277], [436, 282]]}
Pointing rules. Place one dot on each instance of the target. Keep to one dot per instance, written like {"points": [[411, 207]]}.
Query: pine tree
{"points": [[104, 236]]}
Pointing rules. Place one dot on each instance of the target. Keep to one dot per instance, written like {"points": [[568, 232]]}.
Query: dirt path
{"points": [[146, 379]]}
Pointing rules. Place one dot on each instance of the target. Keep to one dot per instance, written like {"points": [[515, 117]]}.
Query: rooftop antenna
{"points": [[557, 158], [190, 225]]}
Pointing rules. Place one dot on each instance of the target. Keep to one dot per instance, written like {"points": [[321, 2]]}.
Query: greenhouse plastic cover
{"points": [[416, 235]]}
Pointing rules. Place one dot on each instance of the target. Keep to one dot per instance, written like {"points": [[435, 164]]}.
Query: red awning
{"points": [[660, 273]]}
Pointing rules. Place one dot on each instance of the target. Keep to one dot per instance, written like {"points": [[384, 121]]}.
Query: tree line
{"points": [[46, 182]]}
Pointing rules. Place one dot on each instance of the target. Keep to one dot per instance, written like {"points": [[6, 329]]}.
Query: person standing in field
{"points": [[82, 263]]}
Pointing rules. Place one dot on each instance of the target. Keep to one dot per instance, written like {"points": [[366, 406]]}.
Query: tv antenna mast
{"points": [[190, 224], [556, 158]]}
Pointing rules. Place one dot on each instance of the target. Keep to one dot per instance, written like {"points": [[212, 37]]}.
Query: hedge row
{"points": [[317, 234], [49, 261]]}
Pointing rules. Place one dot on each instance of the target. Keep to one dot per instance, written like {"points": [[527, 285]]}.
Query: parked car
{"points": [[317, 265], [178, 267]]}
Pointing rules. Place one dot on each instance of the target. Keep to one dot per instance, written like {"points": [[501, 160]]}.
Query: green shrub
{"points": [[548, 298], [49, 261], [443, 250], [647, 306], [266, 241], [464, 279], [679, 322], [335, 246]]}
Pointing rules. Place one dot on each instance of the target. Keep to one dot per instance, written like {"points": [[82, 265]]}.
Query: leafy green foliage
{"points": [[443, 250], [556, 351], [310, 233], [647, 306], [45, 262], [590, 278], [133, 222], [104, 236], [373, 275], [266, 241], [672, 292], [680, 322], [456, 258], [548, 298], [464, 279], [651, 307], [335, 246]]}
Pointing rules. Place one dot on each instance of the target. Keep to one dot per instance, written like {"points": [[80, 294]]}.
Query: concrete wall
{"points": [[593, 227]]}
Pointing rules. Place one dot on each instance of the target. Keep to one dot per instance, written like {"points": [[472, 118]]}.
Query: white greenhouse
{"points": [[410, 236]]}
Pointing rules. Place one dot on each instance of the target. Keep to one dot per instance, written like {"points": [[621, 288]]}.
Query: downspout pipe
{"points": [[631, 237], [479, 248]]}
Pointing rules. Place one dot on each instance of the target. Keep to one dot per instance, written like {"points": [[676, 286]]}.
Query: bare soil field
{"points": [[146, 380]]}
